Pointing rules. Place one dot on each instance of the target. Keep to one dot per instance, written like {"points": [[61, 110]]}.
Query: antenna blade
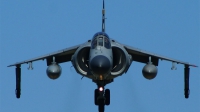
{"points": [[103, 4], [103, 18]]}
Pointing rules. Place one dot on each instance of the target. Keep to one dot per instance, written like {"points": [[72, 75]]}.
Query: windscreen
{"points": [[107, 43], [100, 41], [94, 43]]}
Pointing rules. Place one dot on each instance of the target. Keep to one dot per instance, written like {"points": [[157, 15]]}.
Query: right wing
{"points": [[61, 56]]}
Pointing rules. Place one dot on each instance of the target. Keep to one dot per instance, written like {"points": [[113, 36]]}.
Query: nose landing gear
{"points": [[107, 96], [101, 95], [101, 98]]}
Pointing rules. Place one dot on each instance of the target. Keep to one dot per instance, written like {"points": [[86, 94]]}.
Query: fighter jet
{"points": [[102, 59]]}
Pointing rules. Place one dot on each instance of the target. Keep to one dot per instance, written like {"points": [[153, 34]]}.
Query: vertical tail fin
{"points": [[103, 18]]}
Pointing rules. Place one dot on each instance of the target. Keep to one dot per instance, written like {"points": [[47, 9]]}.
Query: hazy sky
{"points": [[32, 28]]}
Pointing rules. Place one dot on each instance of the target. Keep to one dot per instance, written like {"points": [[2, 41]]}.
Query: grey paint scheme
{"points": [[130, 54], [67, 52], [80, 60], [54, 71], [126, 60], [99, 50], [102, 64], [135, 52]]}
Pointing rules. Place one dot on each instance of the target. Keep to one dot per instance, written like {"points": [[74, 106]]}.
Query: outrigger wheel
{"points": [[18, 81]]}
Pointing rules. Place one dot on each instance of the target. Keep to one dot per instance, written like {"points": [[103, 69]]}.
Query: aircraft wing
{"points": [[143, 56], [63, 55]]}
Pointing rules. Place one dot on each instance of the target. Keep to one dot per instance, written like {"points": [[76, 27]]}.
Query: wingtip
{"points": [[17, 65], [194, 65], [10, 65]]}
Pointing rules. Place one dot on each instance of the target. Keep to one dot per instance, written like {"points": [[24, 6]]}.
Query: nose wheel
{"points": [[101, 98], [96, 94], [107, 96]]}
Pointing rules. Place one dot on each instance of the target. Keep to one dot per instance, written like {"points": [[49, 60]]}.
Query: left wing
{"points": [[143, 56], [63, 55]]}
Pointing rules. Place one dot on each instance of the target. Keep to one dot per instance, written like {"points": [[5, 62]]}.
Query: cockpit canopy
{"points": [[100, 33], [101, 39]]}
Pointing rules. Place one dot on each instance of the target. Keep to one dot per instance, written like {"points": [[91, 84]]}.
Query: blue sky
{"points": [[32, 28]]}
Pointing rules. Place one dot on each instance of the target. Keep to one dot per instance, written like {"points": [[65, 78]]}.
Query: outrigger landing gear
{"points": [[18, 81], [101, 96], [186, 81]]}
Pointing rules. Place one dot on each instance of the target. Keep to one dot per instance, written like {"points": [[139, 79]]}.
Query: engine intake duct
{"points": [[80, 60], [119, 61]]}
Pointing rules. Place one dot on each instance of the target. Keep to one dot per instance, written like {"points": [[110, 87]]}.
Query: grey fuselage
{"points": [[101, 58]]}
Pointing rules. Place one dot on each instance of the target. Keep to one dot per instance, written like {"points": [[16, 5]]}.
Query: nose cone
{"points": [[100, 65]]}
